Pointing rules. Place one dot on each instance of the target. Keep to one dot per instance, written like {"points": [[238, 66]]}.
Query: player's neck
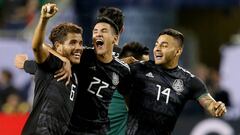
{"points": [[170, 65], [105, 58]]}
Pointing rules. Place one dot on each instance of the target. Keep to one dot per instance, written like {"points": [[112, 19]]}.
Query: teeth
{"points": [[158, 57], [77, 54], [99, 42]]}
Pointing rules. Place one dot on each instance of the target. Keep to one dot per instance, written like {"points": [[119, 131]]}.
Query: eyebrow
{"points": [[95, 29], [164, 42]]}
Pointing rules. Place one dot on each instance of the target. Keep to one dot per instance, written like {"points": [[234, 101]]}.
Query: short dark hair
{"points": [[135, 49], [109, 21], [113, 13], [174, 33], [59, 32]]}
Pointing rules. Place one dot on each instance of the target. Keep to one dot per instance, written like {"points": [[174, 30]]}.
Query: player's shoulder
{"points": [[51, 64], [185, 72], [121, 64], [88, 50], [88, 54], [190, 78], [142, 64]]}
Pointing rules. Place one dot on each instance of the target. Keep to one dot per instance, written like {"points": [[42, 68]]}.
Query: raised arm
{"points": [[48, 11], [214, 108]]}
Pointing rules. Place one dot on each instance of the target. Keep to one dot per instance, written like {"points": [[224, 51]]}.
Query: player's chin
{"points": [[158, 62], [75, 60], [99, 51]]}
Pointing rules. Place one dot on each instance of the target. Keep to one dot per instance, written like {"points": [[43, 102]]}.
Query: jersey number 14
{"points": [[165, 92]]}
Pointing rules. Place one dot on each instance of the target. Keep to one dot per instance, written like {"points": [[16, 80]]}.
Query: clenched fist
{"points": [[19, 60], [219, 109], [48, 10]]}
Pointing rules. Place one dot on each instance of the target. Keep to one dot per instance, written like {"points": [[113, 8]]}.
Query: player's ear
{"points": [[58, 47], [179, 51], [115, 38]]}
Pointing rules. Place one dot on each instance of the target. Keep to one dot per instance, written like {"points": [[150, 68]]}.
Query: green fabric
{"points": [[42, 2], [117, 114], [1, 4], [202, 95]]}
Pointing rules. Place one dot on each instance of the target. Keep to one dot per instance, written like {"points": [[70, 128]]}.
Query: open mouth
{"points": [[99, 42]]}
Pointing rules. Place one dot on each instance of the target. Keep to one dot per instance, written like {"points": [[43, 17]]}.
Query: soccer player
{"points": [[161, 88], [53, 101], [117, 112], [99, 75], [116, 121], [116, 115]]}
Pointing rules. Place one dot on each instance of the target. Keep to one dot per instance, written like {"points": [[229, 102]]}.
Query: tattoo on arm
{"points": [[207, 102]]}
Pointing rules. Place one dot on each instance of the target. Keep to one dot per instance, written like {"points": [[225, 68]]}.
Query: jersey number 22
{"points": [[96, 82]]}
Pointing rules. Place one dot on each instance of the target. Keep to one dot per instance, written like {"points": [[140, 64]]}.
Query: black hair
{"points": [[174, 33], [60, 32], [113, 13], [109, 21], [135, 49]]}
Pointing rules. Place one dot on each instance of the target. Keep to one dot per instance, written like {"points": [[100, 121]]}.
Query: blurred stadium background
{"points": [[212, 51]]}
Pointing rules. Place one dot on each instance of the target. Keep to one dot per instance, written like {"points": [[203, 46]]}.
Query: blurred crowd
{"points": [[16, 14], [12, 98], [211, 77]]}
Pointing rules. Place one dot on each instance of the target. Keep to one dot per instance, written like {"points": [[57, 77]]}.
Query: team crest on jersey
{"points": [[115, 79], [178, 85]]}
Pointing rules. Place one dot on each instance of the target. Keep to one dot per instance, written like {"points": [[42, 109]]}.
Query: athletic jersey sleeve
{"points": [[198, 88], [30, 66], [87, 56], [127, 83], [51, 64], [124, 86]]}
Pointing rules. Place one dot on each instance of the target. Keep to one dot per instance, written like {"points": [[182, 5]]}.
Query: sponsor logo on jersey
{"points": [[150, 75], [178, 85], [115, 79]]}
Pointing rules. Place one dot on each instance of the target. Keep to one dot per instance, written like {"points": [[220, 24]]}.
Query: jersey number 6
{"points": [[73, 87]]}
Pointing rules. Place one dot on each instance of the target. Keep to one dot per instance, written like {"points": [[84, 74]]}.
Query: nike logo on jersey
{"points": [[150, 75]]}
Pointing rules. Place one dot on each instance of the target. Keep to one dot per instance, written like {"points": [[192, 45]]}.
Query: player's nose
{"points": [[79, 47]]}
